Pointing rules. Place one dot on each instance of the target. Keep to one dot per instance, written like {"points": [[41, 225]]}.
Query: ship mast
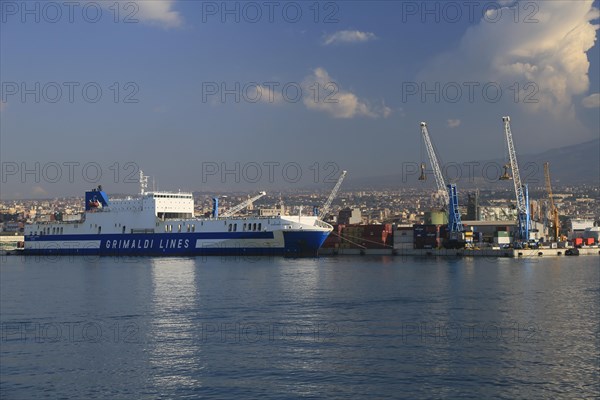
{"points": [[143, 183]]}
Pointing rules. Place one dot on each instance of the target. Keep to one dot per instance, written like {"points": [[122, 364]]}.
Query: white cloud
{"points": [[158, 12], [591, 101], [38, 191], [323, 93], [265, 94], [453, 123], [550, 53], [386, 111], [348, 37]]}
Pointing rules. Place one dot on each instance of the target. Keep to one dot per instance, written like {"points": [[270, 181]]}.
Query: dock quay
{"points": [[498, 253]]}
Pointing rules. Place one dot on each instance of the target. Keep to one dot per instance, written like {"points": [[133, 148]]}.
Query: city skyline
{"points": [[173, 86]]}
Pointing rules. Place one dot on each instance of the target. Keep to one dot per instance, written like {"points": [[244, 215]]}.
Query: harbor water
{"points": [[272, 328]]}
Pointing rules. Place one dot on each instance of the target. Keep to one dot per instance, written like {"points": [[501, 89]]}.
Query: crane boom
{"points": [[437, 172], [231, 212], [520, 190], [514, 166], [336, 188], [553, 208]]}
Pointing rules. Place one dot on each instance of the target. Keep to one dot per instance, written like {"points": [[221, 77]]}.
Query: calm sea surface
{"points": [[348, 327]]}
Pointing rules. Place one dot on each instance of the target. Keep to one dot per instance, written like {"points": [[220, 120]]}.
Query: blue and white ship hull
{"points": [[288, 243], [161, 224]]}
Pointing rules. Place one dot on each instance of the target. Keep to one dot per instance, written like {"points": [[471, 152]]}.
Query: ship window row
{"points": [[49, 231], [174, 215], [189, 228], [171, 196], [252, 227]]}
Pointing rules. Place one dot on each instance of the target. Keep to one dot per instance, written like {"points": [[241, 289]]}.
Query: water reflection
{"points": [[416, 328], [175, 345], [299, 278]]}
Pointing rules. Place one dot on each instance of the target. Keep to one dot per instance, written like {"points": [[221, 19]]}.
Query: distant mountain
{"points": [[570, 165], [575, 164]]}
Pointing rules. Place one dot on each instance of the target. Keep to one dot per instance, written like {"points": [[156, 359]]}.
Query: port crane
{"points": [[553, 208], [455, 226], [442, 190], [326, 207], [447, 193], [521, 191], [232, 211]]}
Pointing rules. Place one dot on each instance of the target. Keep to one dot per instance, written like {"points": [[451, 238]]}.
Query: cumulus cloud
{"points": [[591, 101], [264, 94], [157, 12], [323, 93], [453, 123], [386, 111], [550, 53], [38, 191], [344, 37], [160, 12]]}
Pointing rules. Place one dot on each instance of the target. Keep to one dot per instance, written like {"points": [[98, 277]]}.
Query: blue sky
{"points": [[375, 54]]}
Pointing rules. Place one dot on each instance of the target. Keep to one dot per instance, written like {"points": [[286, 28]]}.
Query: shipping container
{"points": [[502, 240], [363, 236], [421, 243], [418, 231], [403, 235]]}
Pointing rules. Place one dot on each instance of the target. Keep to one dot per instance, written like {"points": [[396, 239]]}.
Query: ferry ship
{"points": [[163, 223]]}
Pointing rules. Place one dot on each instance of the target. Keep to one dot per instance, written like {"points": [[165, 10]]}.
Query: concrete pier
{"points": [[511, 253]]}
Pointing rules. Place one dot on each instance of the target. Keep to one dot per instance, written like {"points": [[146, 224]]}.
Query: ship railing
{"points": [[322, 224], [79, 221], [237, 218]]}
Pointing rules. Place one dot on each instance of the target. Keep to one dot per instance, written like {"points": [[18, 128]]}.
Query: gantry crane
{"points": [[553, 208], [521, 191], [232, 211], [442, 190], [325, 209]]}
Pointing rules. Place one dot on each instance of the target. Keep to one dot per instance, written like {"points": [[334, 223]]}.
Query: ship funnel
{"points": [[215, 212], [423, 177]]}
